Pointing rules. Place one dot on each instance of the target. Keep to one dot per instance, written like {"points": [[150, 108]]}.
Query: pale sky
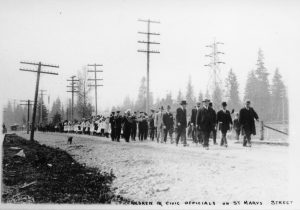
{"points": [[75, 33]]}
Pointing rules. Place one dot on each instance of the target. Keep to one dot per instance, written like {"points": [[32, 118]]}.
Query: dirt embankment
{"points": [[34, 173]]}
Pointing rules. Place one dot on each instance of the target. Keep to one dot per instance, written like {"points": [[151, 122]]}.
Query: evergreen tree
{"points": [[262, 100], [232, 86], [207, 95], [190, 98], [127, 104], [56, 108], [278, 98], [200, 97], [179, 97], [250, 88], [217, 98], [41, 114], [83, 107], [169, 100], [140, 104], [56, 118]]}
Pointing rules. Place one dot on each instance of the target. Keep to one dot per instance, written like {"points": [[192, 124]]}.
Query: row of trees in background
{"points": [[17, 114], [269, 99]]}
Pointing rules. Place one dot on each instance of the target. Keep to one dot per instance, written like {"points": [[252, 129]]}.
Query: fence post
{"points": [[261, 130]]}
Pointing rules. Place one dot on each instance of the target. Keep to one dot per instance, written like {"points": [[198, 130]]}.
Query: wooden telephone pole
{"points": [[73, 90], [39, 72], [95, 79], [148, 51], [27, 103]]}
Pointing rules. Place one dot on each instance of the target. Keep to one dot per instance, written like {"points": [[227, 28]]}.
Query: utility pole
{"points": [[73, 90], [214, 65], [95, 79], [27, 103], [39, 72], [148, 51], [41, 105]]}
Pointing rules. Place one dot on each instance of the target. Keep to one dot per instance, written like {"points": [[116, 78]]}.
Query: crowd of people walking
{"points": [[204, 122]]}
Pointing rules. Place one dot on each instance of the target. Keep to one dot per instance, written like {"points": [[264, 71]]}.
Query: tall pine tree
{"points": [[190, 98], [278, 98], [262, 100], [217, 98], [234, 101], [140, 104]]}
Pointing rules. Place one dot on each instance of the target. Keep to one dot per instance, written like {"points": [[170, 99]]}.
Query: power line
{"points": [[39, 72], [214, 65], [73, 82], [95, 85], [148, 51]]}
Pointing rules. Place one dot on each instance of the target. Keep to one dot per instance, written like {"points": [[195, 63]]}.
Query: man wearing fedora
{"points": [[247, 116], [181, 123], [195, 132], [204, 123], [225, 122], [168, 124]]}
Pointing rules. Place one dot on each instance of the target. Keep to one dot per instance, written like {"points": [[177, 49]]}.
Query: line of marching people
{"points": [[161, 124], [206, 121]]}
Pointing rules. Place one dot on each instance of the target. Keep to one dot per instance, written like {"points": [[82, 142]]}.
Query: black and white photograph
{"points": [[145, 104]]}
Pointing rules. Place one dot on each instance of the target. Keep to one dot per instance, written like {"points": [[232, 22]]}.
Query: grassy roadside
{"points": [[42, 174]]}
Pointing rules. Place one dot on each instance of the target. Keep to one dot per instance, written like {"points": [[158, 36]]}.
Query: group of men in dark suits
{"points": [[205, 121]]}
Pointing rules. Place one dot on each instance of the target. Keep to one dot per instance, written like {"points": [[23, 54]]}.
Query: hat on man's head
{"points": [[183, 102], [206, 100], [111, 112], [198, 103], [162, 107], [118, 111], [248, 101], [224, 103]]}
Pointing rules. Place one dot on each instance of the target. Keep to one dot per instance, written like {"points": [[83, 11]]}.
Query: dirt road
{"points": [[148, 171]]}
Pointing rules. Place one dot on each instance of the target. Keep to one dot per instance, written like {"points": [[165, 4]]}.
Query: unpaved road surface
{"points": [[148, 171]]}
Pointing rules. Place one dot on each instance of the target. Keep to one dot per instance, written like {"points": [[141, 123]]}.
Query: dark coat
{"points": [[193, 116], [247, 120], [118, 121], [168, 120], [112, 121], [181, 118], [204, 120], [213, 115], [224, 119]]}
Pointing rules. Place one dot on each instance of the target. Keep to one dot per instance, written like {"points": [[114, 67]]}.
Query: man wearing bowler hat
{"points": [[181, 123], [204, 123], [225, 122], [247, 116], [168, 124]]}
